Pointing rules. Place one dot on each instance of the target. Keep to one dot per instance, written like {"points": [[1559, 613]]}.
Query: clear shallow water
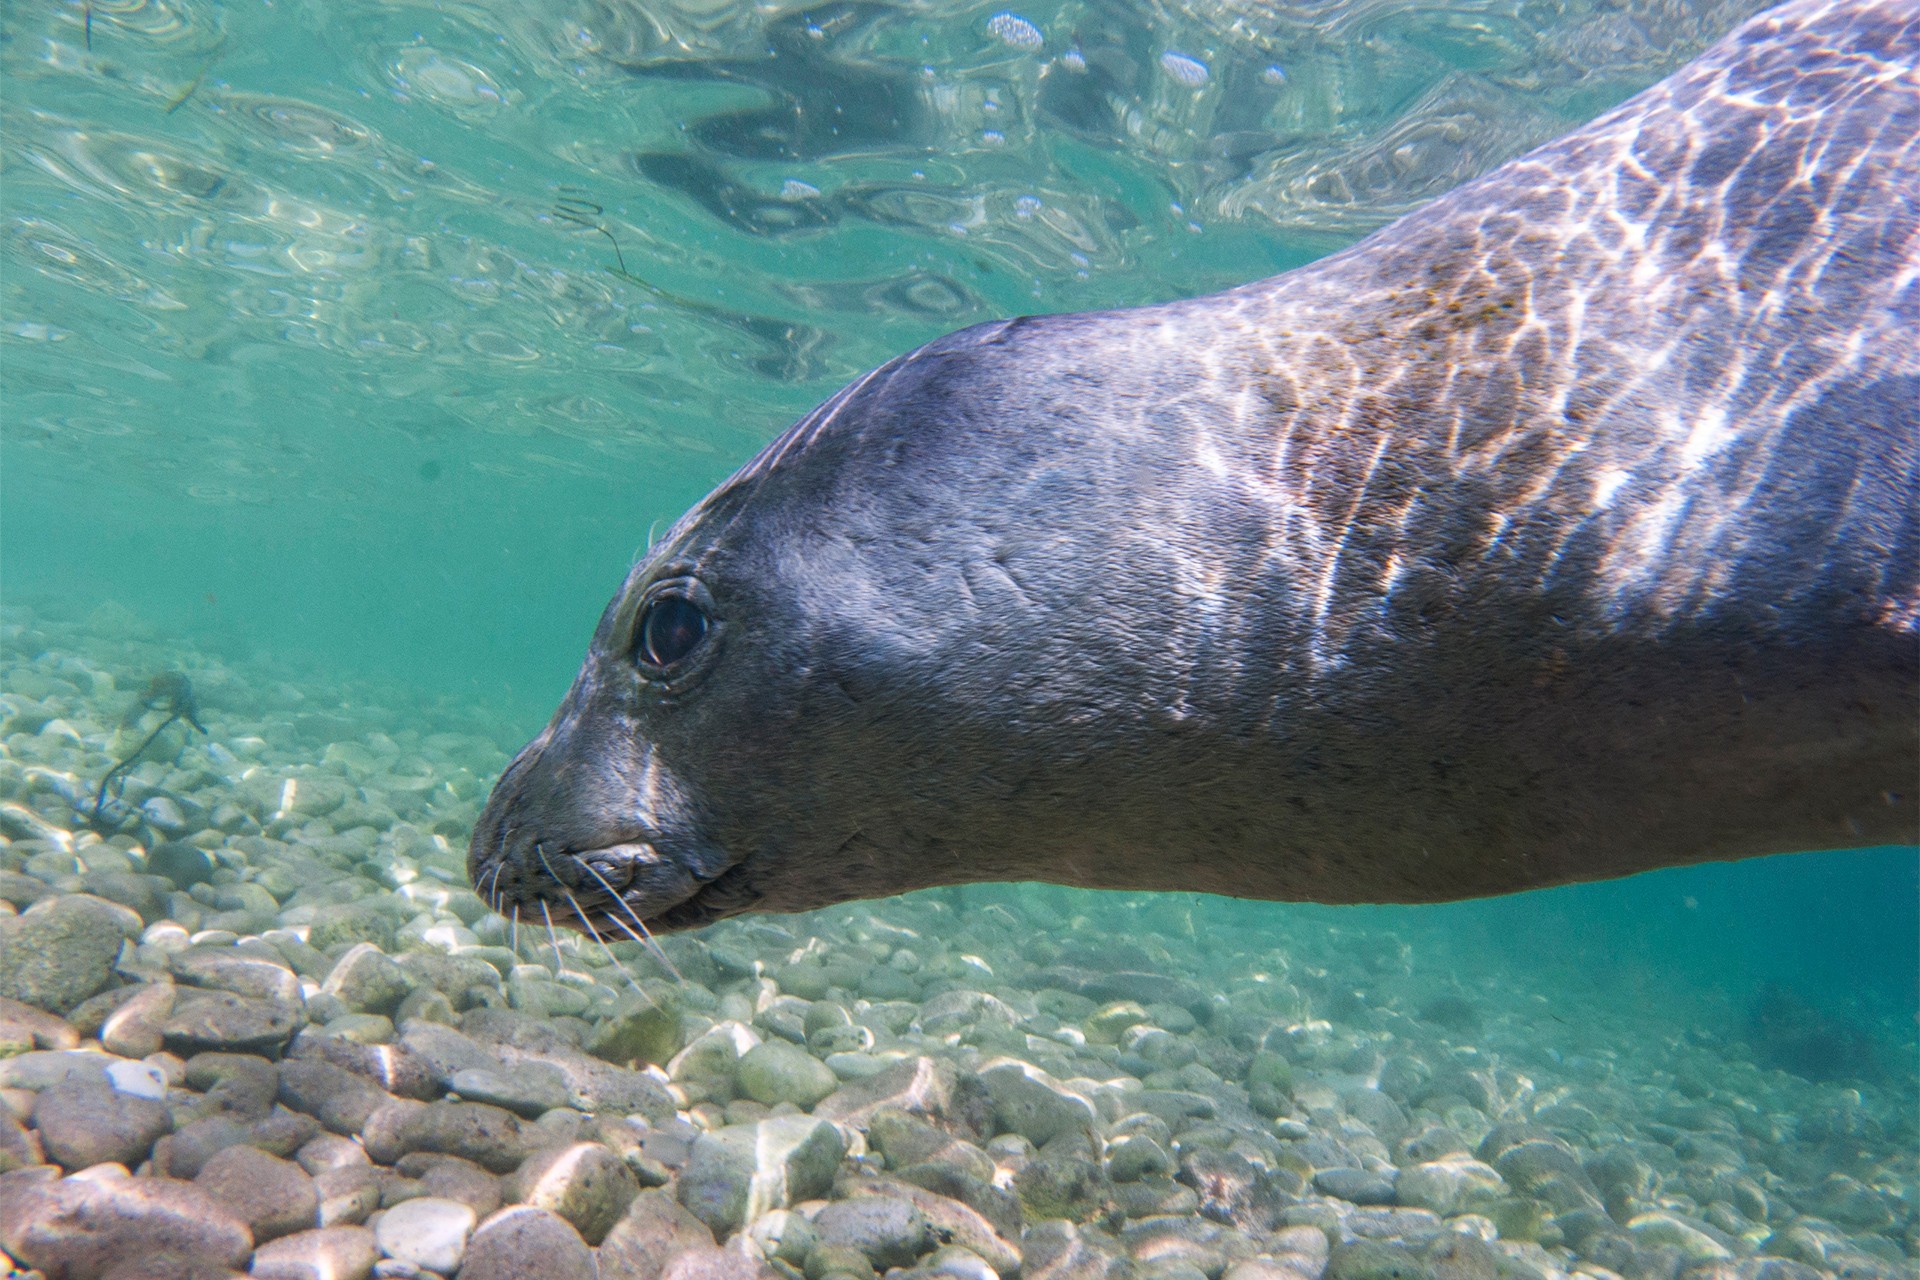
{"points": [[360, 343], [313, 337]]}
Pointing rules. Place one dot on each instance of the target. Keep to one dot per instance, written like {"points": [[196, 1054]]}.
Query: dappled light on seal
{"points": [[1566, 528]]}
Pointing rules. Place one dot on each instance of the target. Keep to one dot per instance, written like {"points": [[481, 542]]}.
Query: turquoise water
{"points": [[358, 346]]}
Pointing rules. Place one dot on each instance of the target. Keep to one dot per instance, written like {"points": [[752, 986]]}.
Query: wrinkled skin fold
{"points": [[1564, 529]]}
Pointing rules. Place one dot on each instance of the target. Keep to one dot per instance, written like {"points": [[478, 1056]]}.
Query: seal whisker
{"points": [[622, 925], [552, 937], [513, 940], [581, 913], [648, 943]]}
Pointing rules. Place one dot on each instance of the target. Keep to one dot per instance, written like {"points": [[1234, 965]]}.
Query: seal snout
{"points": [[588, 847]]}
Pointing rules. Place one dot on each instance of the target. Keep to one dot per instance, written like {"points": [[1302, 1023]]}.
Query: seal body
{"points": [[1566, 528]]}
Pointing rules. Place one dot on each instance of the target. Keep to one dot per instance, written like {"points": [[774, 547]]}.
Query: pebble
{"points": [[582, 1182], [105, 1221], [654, 1228], [888, 1232], [327, 1253], [1031, 1103], [489, 1136], [340, 1100], [522, 1241], [530, 1089], [429, 1232], [82, 1123], [136, 1027], [774, 1072], [1357, 1186], [61, 950], [736, 1174], [364, 980], [274, 1197], [204, 1020]]}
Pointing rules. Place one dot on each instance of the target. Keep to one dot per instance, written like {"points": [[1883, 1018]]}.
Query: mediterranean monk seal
{"points": [[1565, 528]]}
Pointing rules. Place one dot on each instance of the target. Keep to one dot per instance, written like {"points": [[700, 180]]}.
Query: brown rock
{"points": [[87, 1122], [523, 1241], [918, 1086], [330, 1253], [47, 1031], [99, 1225], [134, 1028], [274, 1197], [653, 1230], [712, 1263]]}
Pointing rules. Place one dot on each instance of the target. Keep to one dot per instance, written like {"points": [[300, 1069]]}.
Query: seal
{"points": [[1565, 528]]}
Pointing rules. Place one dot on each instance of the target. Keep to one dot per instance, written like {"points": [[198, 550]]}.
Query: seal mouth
{"points": [[629, 889]]}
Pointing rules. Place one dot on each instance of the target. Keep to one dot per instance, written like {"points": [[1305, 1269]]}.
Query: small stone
{"points": [[329, 1253], [19, 1146], [134, 1028], [1135, 1157], [96, 1225], [340, 1100], [522, 1241], [452, 1178], [1665, 1229], [889, 1232], [349, 923], [1375, 1260], [1356, 1186], [36, 1069], [653, 1230], [348, 1194], [274, 1197], [774, 1072], [710, 1263], [428, 1232], [84, 1123], [735, 1175], [364, 980], [61, 950], [237, 1085], [529, 1089], [919, 1086], [220, 1020], [583, 1182], [1031, 1103], [44, 1030], [1455, 1184], [488, 1136]]}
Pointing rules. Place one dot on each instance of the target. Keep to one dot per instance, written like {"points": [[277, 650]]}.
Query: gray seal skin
{"points": [[1566, 528]]}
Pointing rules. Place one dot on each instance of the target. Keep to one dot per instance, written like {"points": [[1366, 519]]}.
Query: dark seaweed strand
{"points": [[122, 766]]}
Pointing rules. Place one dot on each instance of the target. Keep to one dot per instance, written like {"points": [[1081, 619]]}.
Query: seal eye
{"points": [[671, 627]]}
